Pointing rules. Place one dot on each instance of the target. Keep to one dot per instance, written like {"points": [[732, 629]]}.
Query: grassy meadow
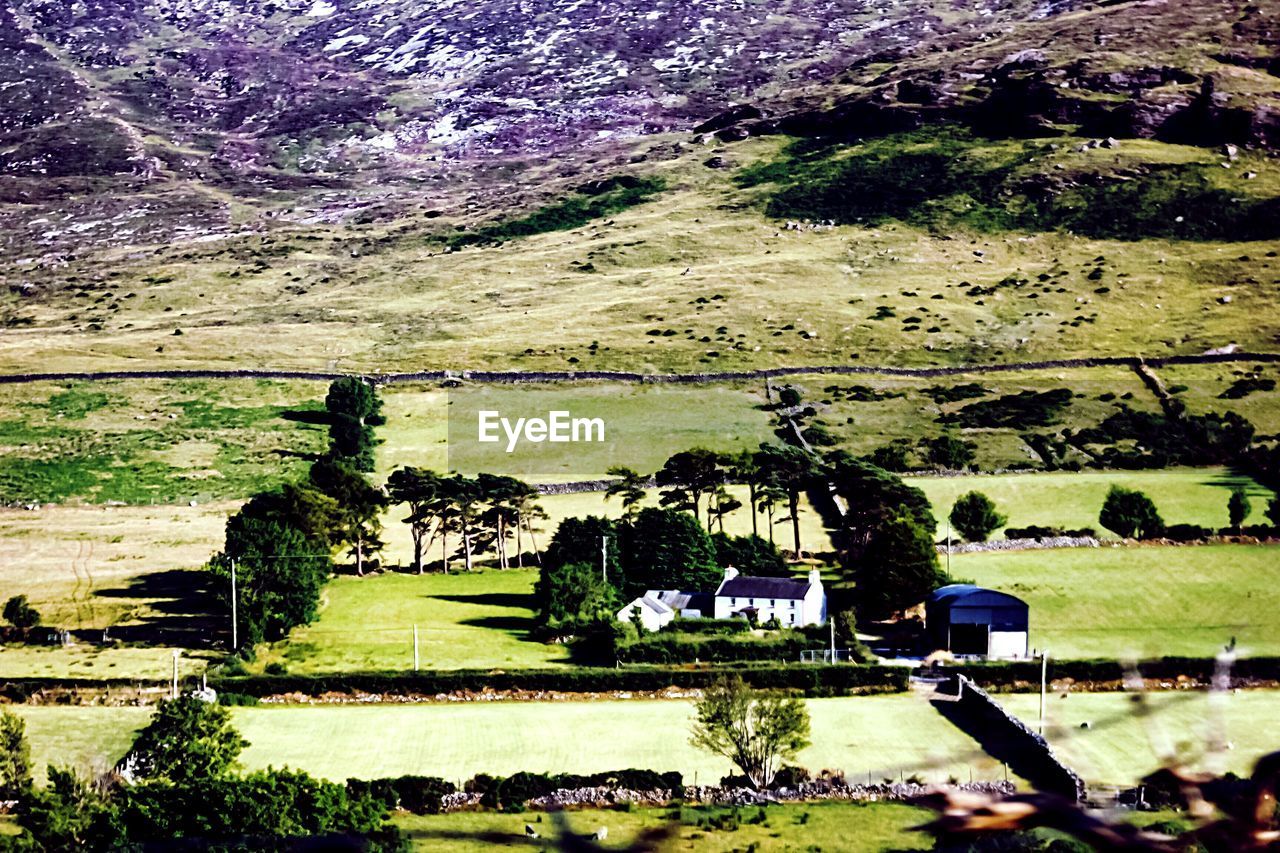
{"points": [[1120, 747], [88, 738], [1073, 499], [125, 569], [154, 441], [1250, 389], [872, 827], [704, 275], [882, 736], [1116, 602], [464, 622]]}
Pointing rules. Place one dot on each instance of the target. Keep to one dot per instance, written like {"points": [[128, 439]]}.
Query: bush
{"points": [[1130, 514], [20, 614], [1037, 531], [812, 680], [416, 794], [1022, 411], [751, 555], [1187, 532]]}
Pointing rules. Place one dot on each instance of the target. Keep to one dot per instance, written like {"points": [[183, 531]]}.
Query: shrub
{"points": [[1130, 514], [974, 515], [1022, 411], [1037, 531], [1187, 532], [20, 614]]}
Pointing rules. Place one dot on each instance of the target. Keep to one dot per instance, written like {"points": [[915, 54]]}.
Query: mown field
{"points": [[1140, 602], [1120, 747], [871, 736], [1073, 499], [464, 622], [872, 827]]}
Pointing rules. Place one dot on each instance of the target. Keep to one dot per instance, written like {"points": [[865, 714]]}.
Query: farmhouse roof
{"points": [[653, 604], [744, 587], [678, 600]]}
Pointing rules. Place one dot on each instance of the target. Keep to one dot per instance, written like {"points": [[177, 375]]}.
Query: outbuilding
{"points": [[969, 620]]}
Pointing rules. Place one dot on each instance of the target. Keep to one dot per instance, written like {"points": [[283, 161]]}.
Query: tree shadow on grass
{"points": [[181, 610], [511, 624], [520, 600], [319, 417]]}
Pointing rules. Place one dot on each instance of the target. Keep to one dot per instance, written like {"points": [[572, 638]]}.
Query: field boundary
{"points": [[514, 377]]}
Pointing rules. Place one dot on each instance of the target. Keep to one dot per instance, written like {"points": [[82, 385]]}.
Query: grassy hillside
{"points": [[642, 288]]}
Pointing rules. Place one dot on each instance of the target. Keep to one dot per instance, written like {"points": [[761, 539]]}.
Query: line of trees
{"points": [[485, 514], [280, 544]]}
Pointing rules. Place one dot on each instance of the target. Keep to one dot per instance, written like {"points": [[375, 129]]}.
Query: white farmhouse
{"points": [[791, 601], [657, 607]]}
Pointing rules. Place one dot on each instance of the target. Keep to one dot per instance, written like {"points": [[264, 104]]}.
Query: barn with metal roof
{"points": [[969, 620]]}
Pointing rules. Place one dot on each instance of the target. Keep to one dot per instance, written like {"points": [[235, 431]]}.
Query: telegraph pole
{"points": [[948, 547], [174, 692], [1044, 672], [604, 558], [833, 639], [235, 630]]}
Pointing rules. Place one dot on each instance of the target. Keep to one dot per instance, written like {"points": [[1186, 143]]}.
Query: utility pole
{"points": [[415, 648], [832, 622], [235, 630], [174, 691], [948, 547], [1044, 672], [604, 558]]}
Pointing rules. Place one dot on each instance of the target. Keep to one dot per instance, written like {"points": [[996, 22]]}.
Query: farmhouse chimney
{"points": [[730, 573]]}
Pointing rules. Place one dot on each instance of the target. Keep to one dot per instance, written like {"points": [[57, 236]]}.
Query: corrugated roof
{"points": [[969, 595], [744, 587]]}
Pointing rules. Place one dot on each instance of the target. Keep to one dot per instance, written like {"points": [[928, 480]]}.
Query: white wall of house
{"points": [[790, 612], [650, 617]]}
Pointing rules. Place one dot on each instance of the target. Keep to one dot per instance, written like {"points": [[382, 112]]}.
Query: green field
{"points": [[879, 736], [1140, 601], [1201, 388], [154, 441], [88, 738], [1120, 748], [865, 827], [464, 621], [645, 424], [1074, 499], [874, 737]]}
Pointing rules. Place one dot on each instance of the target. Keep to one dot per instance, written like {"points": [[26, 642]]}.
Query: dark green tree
{"points": [[279, 575], [894, 456], [575, 593], [358, 524], [421, 490], [974, 515], [1273, 512], [15, 756], [1130, 514], [949, 453], [301, 506], [579, 541], [19, 613], [354, 410], [897, 570], [667, 549], [690, 476], [630, 486], [751, 555], [792, 470], [69, 814], [872, 497], [1238, 508], [188, 740]]}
